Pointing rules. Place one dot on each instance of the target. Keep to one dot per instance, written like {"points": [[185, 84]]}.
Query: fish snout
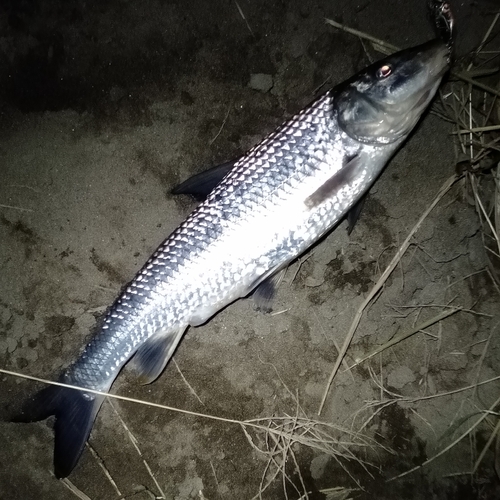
{"points": [[436, 57]]}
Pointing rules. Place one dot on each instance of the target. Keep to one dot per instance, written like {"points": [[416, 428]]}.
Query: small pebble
{"points": [[261, 82]]}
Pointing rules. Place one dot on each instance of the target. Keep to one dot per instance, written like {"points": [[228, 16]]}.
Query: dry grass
{"points": [[274, 437]]}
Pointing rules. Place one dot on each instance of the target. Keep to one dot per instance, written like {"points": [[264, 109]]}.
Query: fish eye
{"points": [[384, 71]]}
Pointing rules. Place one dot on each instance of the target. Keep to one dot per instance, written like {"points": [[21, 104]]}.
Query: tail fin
{"points": [[75, 412]]}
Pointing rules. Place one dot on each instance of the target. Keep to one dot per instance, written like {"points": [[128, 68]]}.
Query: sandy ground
{"points": [[104, 109]]}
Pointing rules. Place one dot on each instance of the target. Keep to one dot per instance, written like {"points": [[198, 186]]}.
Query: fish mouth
{"points": [[438, 59]]}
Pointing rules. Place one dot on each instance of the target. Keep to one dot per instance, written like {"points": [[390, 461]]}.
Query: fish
{"points": [[275, 201]]}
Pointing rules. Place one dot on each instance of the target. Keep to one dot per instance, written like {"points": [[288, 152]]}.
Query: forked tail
{"points": [[75, 412]]}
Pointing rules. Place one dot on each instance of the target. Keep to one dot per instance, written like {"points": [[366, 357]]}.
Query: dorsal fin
{"points": [[201, 185]]}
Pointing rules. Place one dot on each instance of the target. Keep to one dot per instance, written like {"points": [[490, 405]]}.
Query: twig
{"points": [[134, 442], [362, 35], [483, 355], [475, 130], [243, 17], [346, 366], [277, 313], [121, 398], [494, 434], [24, 186], [71, 487], [100, 462], [216, 480], [473, 81], [16, 208], [300, 261], [496, 177], [186, 382], [397, 398], [405, 335], [465, 277], [485, 214], [485, 38], [223, 123], [421, 306]]}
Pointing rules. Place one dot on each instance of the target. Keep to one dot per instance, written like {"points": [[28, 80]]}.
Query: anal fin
{"points": [[265, 292], [152, 357]]}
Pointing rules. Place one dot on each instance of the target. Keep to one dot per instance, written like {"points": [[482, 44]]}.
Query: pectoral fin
{"points": [[152, 357], [331, 186], [200, 185], [353, 214]]}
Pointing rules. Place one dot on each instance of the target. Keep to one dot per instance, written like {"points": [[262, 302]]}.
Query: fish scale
{"points": [[275, 202]]}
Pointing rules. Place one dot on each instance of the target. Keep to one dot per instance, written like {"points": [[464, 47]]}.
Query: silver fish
{"points": [[275, 202]]}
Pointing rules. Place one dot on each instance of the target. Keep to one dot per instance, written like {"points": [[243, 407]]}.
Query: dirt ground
{"points": [[108, 105]]}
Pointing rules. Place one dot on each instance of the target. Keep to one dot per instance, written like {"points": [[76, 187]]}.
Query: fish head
{"points": [[382, 103]]}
